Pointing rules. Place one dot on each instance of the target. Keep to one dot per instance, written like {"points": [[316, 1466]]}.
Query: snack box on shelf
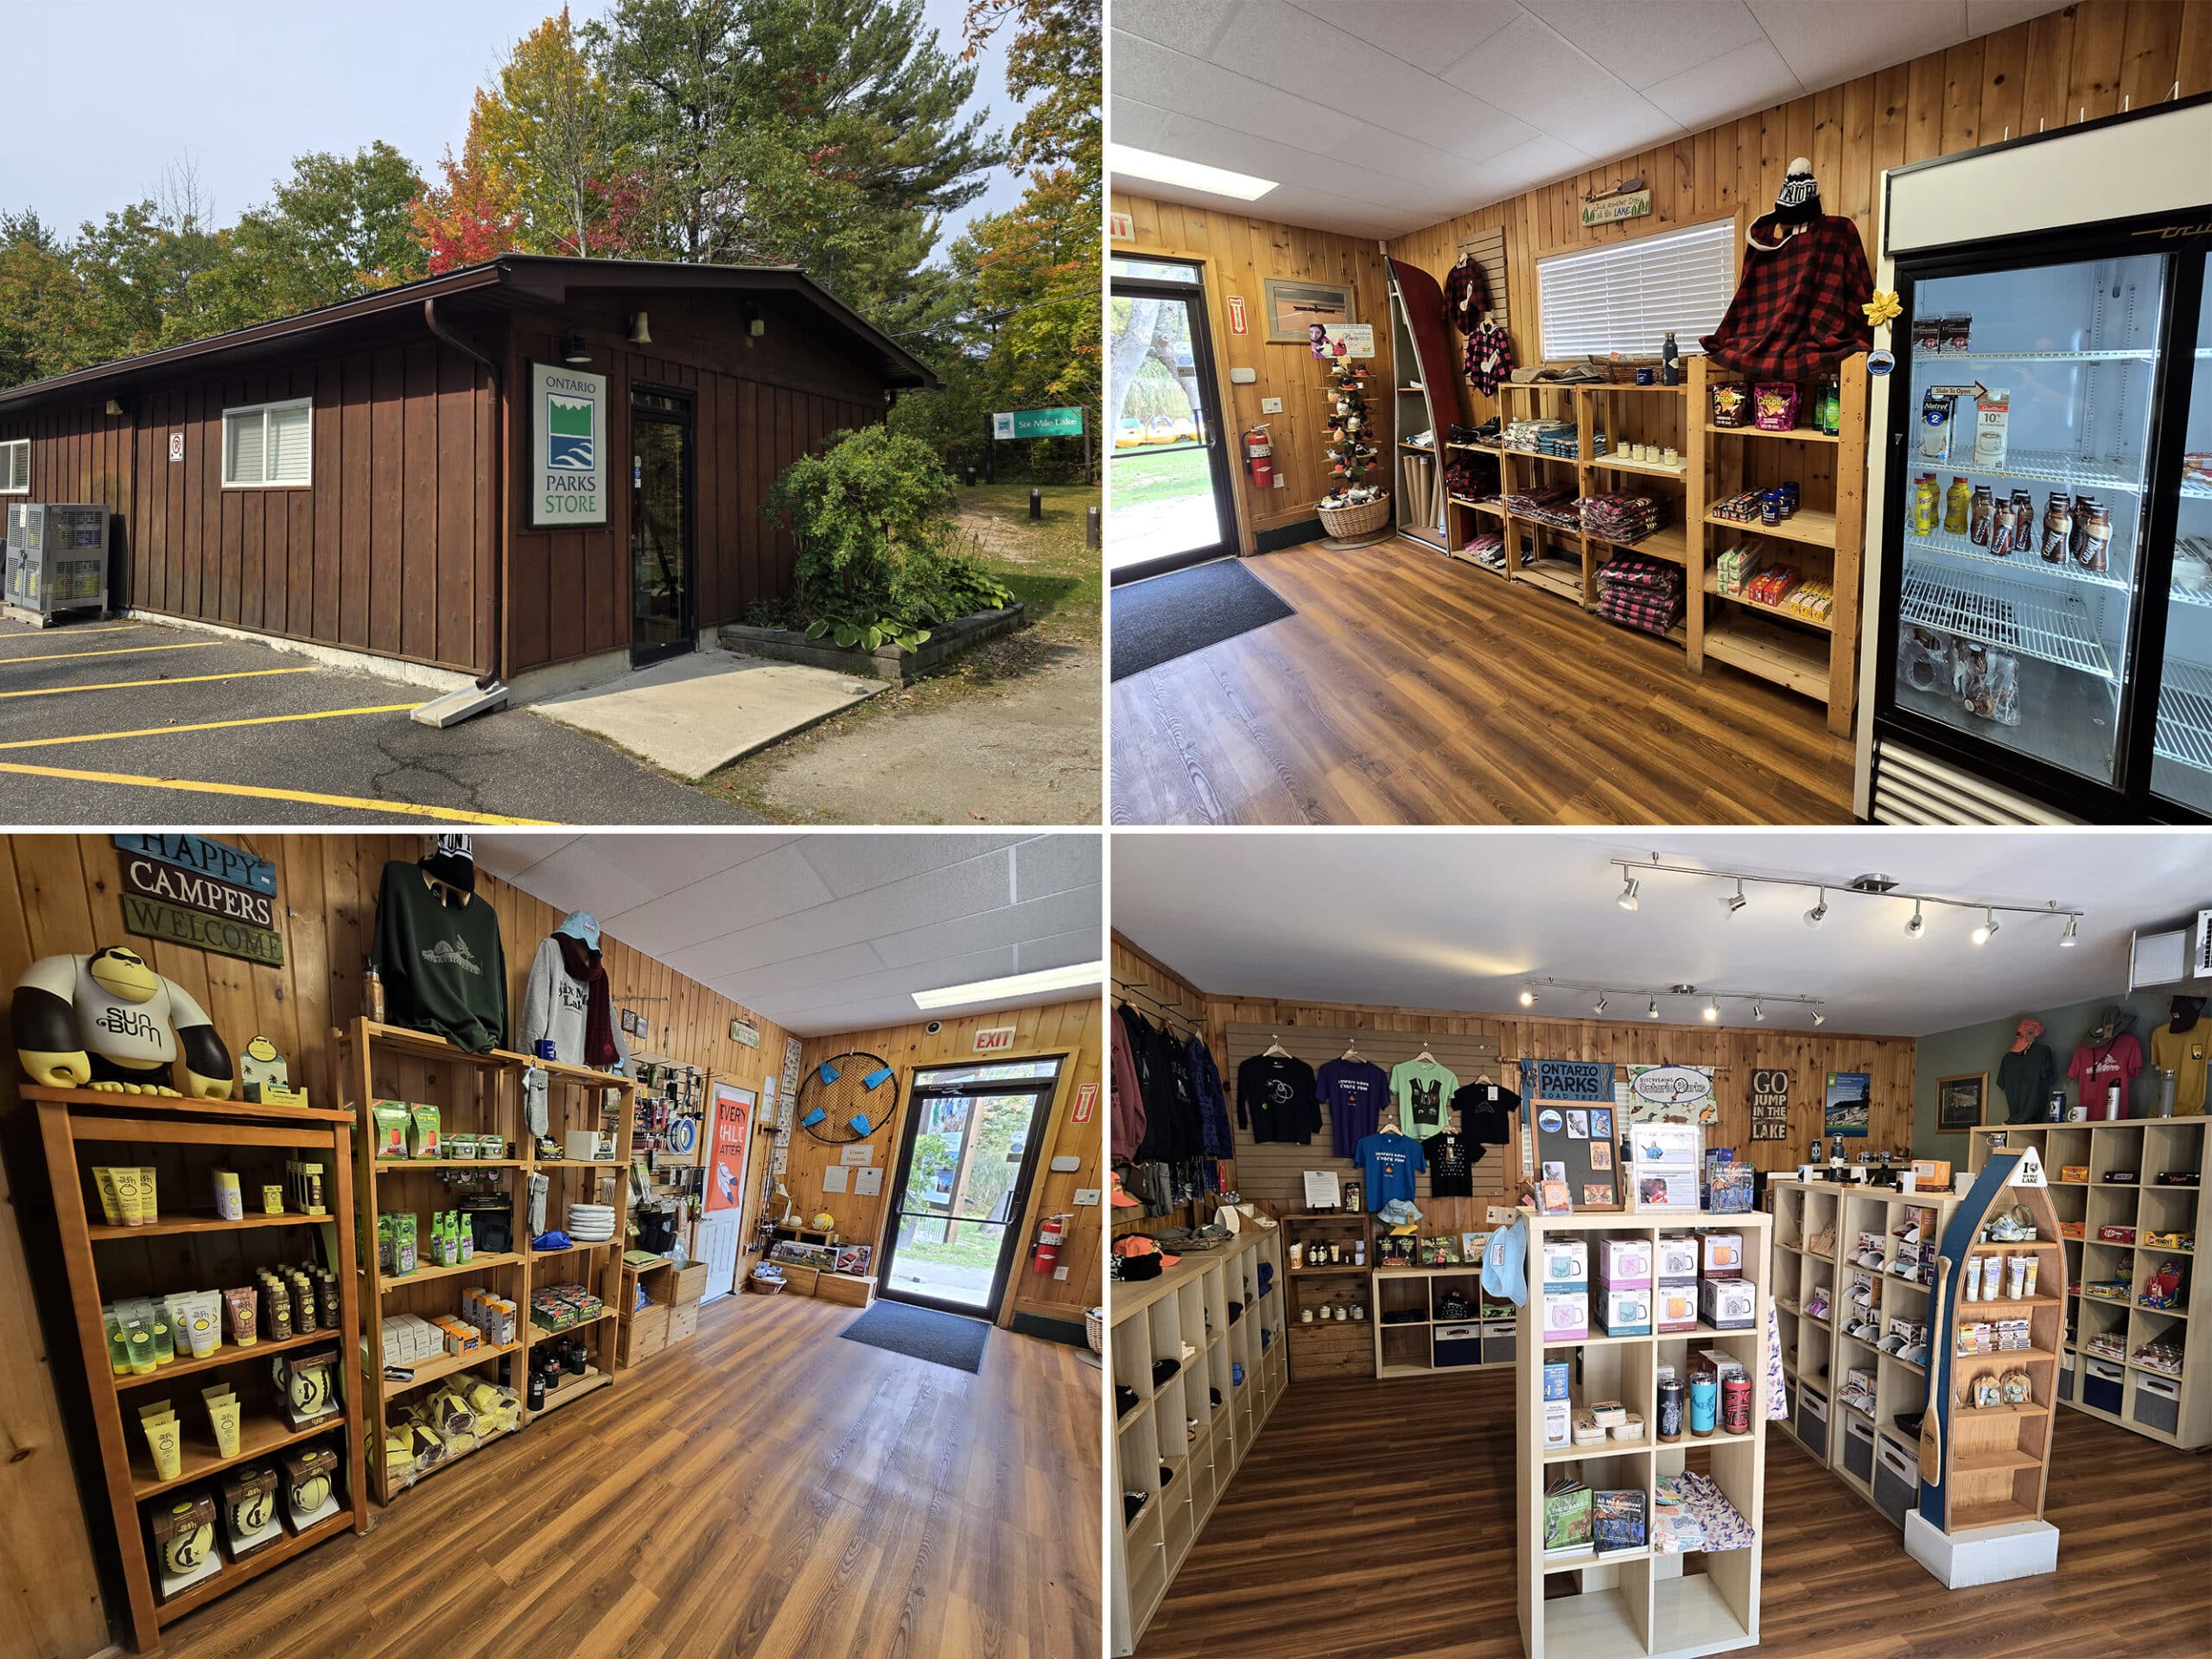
{"points": [[2177, 1177], [2170, 1242], [2120, 1178], [1931, 1174], [2069, 1230], [2074, 1173], [2113, 1235]]}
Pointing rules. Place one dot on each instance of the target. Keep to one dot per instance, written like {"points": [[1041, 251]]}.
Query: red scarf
{"points": [[584, 967]]}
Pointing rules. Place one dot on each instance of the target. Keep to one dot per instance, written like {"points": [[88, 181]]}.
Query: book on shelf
{"points": [[1617, 1520], [1566, 1516]]}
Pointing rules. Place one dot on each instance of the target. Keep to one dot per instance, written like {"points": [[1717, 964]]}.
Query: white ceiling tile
{"points": [[741, 896], [1532, 73], [852, 864], [1193, 26], [1222, 146], [1129, 122], [1408, 159], [1191, 86], [1542, 159], [1056, 950], [1425, 32], [1642, 42], [1752, 77], [1988, 16], [1055, 864], [1826, 44]]}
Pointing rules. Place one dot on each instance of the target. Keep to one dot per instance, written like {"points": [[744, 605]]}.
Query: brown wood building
{"points": [[394, 516]]}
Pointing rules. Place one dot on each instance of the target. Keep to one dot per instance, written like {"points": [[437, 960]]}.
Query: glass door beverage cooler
{"points": [[2039, 646]]}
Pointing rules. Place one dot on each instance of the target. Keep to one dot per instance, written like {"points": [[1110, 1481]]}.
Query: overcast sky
{"points": [[102, 97]]}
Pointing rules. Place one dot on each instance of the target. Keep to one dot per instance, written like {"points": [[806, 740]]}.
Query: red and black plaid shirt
{"points": [[1798, 307], [1466, 296]]}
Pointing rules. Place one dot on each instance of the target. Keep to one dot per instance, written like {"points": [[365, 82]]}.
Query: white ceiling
{"points": [[824, 933], [1381, 116], [1462, 921]]}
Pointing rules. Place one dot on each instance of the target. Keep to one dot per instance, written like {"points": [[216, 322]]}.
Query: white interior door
{"points": [[718, 1237]]}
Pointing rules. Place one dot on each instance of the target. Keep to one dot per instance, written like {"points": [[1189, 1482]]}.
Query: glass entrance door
{"points": [[1167, 482], [2181, 750], [661, 602], [956, 1223]]}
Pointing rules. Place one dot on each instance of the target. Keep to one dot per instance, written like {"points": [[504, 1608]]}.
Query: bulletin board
{"points": [[1577, 1125]]}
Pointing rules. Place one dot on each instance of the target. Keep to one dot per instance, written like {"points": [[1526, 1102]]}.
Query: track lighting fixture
{"points": [[1528, 996], [1712, 1010], [1819, 1018], [1759, 1015], [1918, 924], [1983, 928], [1630, 887], [2066, 939], [1635, 871], [1819, 912], [1734, 901], [1652, 1011], [1598, 1006]]}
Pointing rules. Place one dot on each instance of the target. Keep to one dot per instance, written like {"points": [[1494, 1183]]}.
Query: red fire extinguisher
{"points": [[1259, 455], [1049, 1238]]}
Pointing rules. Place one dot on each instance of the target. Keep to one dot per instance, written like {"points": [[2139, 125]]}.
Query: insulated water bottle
{"points": [[1704, 1395]]}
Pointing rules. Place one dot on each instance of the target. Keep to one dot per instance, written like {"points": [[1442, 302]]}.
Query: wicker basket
{"points": [[1343, 523], [1094, 1329]]}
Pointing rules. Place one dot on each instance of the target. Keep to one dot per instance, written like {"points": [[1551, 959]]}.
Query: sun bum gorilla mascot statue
{"points": [[108, 1021]]}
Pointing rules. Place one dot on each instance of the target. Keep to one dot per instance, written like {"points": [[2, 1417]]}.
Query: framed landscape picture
{"points": [[1293, 307], [1959, 1102]]}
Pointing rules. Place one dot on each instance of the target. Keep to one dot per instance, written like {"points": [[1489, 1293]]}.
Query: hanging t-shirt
{"points": [[1423, 1091], [1388, 1163], [2097, 1066], [1275, 1098], [2182, 1052], [1487, 1112], [2026, 1076], [1451, 1162], [1353, 1092]]}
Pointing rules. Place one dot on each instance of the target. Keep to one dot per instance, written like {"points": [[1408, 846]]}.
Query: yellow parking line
{"points": [[213, 725], [180, 679], [113, 651], [79, 633], [443, 814]]}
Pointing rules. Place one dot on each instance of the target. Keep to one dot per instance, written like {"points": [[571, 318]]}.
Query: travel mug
{"points": [[1703, 1397]]}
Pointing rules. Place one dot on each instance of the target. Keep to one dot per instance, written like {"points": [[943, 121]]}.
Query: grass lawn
{"points": [[976, 1247], [1138, 476]]}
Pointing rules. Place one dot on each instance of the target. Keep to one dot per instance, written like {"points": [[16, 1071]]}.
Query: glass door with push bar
{"points": [[2181, 752], [970, 1143], [661, 584], [1167, 491]]}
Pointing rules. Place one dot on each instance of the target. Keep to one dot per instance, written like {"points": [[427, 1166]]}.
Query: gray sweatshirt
{"points": [[555, 1006]]}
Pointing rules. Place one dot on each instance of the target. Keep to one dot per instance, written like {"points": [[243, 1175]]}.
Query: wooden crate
{"points": [[682, 1285], [683, 1322], [847, 1287], [644, 1333], [799, 1281]]}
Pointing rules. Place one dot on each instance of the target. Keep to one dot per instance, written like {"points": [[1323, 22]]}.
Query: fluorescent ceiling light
{"points": [[1192, 175], [1072, 977]]}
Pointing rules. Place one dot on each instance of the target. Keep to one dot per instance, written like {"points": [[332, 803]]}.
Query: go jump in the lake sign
{"points": [[567, 446]]}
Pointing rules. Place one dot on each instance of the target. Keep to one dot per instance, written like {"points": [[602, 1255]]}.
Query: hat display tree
{"points": [[1198, 1360]]}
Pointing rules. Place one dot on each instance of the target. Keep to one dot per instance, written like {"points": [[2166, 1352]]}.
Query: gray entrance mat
{"points": [[1162, 617], [921, 1333]]}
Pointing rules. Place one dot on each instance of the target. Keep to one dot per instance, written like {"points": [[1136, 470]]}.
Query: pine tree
{"points": [[1352, 455]]}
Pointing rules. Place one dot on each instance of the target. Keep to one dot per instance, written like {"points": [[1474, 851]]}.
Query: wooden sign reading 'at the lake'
{"points": [[191, 891]]}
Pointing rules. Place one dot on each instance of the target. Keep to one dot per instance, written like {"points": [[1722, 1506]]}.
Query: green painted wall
{"points": [[1979, 1047]]}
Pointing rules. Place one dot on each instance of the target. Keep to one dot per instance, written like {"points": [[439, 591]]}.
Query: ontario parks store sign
{"points": [[567, 446]]}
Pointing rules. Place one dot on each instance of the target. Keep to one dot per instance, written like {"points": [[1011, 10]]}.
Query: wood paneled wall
{"points": [[1239, 252], [1075, 1029], [2085, 60], [1157, 991], [59, 894]]}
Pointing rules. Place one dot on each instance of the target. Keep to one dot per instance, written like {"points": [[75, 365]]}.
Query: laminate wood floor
{"points": [[765, 1489], [1374, 1520], [1410, 689]]}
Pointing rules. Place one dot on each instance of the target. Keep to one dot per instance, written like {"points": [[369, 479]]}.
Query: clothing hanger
{"points": [[1352, 1051], [1424, 1058], [447, 892], [1274, 1050]]}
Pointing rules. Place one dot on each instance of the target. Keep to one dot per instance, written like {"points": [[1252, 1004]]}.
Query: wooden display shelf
{"points": [[257, 1437], [201, 1222], [1810, 525], [233, 1114], [1543, 575], [1795, 435], [401, 1165], [1669, 541], [1648, 469], [1759, 647], [234, 1574], [483, 1263], [229, 1354], [537, 1333], [1712, 587], [431, 1371], [568, 1393]]}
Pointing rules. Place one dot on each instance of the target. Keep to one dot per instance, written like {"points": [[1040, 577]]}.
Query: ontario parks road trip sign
{"points": [[567, 446]]}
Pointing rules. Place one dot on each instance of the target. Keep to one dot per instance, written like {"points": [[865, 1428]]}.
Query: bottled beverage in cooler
{"points": [[2096, 541], [1956, 503], [2023, 521], [1923, 504], [2057, 528], [1936, 411], [1979, 513], [2001, 530], [2082, 504]]}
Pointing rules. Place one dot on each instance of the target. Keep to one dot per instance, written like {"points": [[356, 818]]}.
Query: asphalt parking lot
{"points": [[118, 721]]}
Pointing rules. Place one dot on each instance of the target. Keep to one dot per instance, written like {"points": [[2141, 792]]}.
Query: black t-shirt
{"points": [[1487, 1113], [1275, 1099], [1450, 1164]]}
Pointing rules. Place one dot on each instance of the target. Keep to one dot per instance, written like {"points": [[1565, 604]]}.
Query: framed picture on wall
{"points": [[1293, 307], [1959, 1100]]}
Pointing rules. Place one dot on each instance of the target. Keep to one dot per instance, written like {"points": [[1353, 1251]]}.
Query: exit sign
{"points": [[997, 1040]]}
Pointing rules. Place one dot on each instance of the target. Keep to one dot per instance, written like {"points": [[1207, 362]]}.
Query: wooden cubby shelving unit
{"points": [[2131, 1395], [1996, 1460], [1152, 1319], [1637, 1601], [1815, 659], [1407, 1348], [483, 1094], [1816, 1354], [1329, 1346], [184, 1141]]}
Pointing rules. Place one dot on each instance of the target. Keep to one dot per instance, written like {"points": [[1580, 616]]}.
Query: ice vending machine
{"points": [[2038, 630], [56, 557]]}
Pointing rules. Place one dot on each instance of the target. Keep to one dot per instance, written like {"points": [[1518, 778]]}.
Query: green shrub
{"points": [[881, 552]]}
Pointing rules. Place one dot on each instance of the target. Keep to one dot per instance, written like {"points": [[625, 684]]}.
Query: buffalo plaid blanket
{"points": [[1798, 307]]}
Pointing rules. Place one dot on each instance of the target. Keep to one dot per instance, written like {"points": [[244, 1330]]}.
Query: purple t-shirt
{"points": [[1353, 1092]]}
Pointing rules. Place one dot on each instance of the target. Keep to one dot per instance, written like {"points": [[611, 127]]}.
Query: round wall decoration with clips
{"points": [[848, 1098]]}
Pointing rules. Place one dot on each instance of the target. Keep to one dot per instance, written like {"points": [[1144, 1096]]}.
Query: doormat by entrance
{"points": [[1162, 617], [921, 1333]]}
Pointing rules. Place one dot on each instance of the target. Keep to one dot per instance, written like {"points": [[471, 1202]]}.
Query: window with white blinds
{"points": [[15, 466], [1624, 296], [267, 446]]}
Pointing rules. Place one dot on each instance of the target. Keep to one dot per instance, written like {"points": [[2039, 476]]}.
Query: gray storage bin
{"points": [[1813, 1418], [1858, 1447], [1897, 1480], [1498, 1347], [2158, 1403]]}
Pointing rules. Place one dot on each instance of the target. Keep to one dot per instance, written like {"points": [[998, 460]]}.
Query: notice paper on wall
{"points": [[853, 1157], [868, 1183], [1323, 1191], [833, 1179]]}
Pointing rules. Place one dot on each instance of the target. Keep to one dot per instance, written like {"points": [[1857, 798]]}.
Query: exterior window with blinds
{"points": [[15, 466], [267, 446], [1624, 296]]}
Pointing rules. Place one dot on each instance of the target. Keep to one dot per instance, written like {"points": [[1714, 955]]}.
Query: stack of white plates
{"points": [[591, 1224]]}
